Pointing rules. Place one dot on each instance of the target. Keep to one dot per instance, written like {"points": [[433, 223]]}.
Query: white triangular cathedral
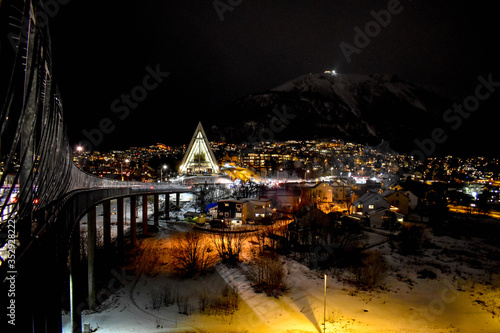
{"points": [[199, 157]]}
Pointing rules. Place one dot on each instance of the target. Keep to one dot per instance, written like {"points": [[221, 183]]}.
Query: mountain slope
{"points": [[360, 108]]}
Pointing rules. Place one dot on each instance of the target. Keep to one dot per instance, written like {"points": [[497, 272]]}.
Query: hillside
{"points": [[359, 108]]}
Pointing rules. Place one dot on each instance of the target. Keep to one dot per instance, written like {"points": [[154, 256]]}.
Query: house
{"points": [[230, 211], [320, 193], [397, 199], [256, 209], [368, 202], [341, 190], [286, 196], [412, 199], [377, 218]]}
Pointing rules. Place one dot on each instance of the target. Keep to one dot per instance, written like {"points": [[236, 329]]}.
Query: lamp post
{"points": [[324, 310], [307, 171], [161, 172], [121, 166], [79, 149]]}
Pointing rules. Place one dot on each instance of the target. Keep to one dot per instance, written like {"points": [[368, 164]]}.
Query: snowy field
{"points": [[460, 294]]}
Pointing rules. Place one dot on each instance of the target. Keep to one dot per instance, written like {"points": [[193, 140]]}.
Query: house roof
{"points": [[387, 193], [321, 184], [229, 200], [368, 197]]}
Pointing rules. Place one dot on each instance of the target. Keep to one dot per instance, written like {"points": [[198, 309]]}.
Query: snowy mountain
{"points": [[359, 108]]}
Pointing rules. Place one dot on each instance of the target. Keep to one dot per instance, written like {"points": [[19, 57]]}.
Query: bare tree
{"points": [[268, 274], [229, 245], [191, 252], [371, 272]]}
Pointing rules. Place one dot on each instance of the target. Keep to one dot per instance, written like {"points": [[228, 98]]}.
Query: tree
{"points": [[410, 240], [229, 246], [268, 274], [192, 254]]}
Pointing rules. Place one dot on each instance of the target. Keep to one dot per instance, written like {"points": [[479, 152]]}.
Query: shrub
{"points": [[268, 275], [229, 246], [224, 303], [371, 272], [192, 254], [410, 240], [183, 304]]}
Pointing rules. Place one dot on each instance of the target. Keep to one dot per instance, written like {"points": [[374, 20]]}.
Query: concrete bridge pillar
{"points": [[76, 305], [156, 209], [167, 206], [144, 214], [91, 247], [119, 223], [106, 224], [133, 220]]}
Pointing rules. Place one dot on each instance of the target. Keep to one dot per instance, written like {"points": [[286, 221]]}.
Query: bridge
{"points": [[45, 197]]}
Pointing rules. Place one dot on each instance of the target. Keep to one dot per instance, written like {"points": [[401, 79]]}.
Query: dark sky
{"points": [[101, 51]]}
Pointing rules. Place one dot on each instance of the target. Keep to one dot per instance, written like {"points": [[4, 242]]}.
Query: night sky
{"points": [[214, 57]]}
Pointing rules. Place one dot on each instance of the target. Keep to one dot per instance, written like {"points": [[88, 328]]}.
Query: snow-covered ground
{"points": [[463, 297]]}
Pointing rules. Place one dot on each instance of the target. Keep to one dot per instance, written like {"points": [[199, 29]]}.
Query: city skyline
{"points": [[208, 56]]}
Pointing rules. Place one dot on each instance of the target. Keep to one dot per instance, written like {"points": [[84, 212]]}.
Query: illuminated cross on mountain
{"points": [[199, 157]]}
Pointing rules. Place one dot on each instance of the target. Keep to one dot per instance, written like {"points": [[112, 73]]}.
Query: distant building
{"points": [[243, 211], [321, 193], [341, 190], [199, 157], [286, 197], [380, 217], [398, 199], [369, 202], [256, 209]]}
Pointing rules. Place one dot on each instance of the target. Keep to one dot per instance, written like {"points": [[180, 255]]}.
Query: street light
{"points": [[79, 150], [161, 172], [121, 166], [324, 310], [307, 171]]}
